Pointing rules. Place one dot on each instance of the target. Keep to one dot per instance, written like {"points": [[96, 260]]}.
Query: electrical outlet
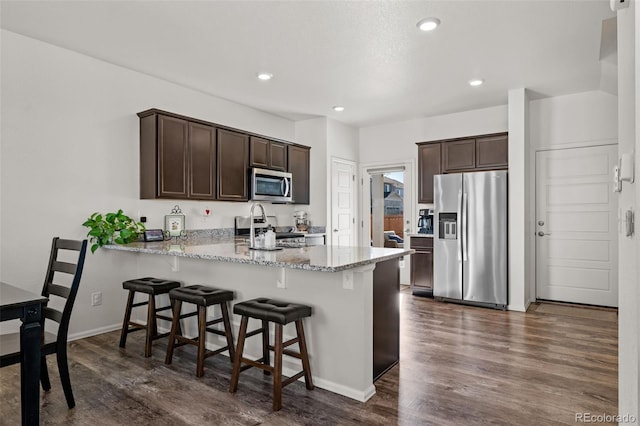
{"points": [[347, 280], [281, 280], [96, 298]]}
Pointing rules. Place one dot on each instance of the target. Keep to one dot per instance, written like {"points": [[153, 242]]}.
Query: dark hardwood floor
{"points": [[458, 365]]}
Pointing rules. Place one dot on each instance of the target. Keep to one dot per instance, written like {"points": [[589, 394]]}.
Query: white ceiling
{"points": [[365, 55]]}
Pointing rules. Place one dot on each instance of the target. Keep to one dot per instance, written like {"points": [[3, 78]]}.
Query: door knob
{"points": [[542, 234], [541, 222], [335, 230]]}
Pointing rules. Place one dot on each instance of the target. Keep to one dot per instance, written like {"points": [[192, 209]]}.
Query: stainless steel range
{"points": [[284, 234]]}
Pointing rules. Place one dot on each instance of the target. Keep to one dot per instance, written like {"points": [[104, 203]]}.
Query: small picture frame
{"points": [[174, 224]]}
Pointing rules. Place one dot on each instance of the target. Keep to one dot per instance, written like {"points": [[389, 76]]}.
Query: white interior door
{"points": [[576, 234], [343, 212]]}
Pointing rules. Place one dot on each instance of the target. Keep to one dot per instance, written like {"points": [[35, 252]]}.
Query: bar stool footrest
{"points": [[292, 379]]}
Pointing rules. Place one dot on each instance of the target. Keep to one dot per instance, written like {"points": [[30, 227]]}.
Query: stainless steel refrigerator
{"points": [[470, 238]]}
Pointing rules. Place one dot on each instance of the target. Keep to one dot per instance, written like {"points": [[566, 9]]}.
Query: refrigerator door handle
{"points": [[458, 230], [465, 251]]}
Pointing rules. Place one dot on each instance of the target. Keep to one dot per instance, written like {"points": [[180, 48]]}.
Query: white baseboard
{"points": [[518, 308], [94, 332]]}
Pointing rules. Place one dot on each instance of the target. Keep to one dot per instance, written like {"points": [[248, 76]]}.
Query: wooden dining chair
{"points": [[53, 286]]}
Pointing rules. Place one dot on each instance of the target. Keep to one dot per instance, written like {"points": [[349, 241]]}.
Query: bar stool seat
{"points": [[203, 297], [272, 310], [150, 285], [280, 313], [153, 287]]}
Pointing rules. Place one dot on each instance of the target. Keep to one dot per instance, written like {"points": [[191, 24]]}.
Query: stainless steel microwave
{"points": [[270, 185]]}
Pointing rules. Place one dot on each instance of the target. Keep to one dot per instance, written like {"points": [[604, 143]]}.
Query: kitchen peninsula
{"points": [[353, 334]]}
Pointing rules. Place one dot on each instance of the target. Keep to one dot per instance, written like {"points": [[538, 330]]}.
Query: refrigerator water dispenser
{"points": [[447, 226]]}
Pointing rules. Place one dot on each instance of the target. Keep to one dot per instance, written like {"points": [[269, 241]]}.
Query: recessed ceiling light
{"points": [[264, 76], [476, 82], [428, 24], [338, 108]]}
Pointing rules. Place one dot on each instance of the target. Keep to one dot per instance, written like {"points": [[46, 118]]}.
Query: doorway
{"points": [[343, 203], [388, 208], [387, 223], [576, 231]]}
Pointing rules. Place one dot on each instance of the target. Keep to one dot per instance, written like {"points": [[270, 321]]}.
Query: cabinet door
{"points": [[422, 266], [492, 152], [278, 156], [459, 155], [172, 157], [233, 163], [428, 166], [202, 162], [299, 168], [259, 152]]}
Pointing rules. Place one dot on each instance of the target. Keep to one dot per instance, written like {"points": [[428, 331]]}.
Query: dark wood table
{"points": [[18, 303]]}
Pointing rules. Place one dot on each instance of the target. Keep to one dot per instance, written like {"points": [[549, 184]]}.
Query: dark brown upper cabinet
{"points": [[472, 154], [299, 167], [268, 154], [459, 155], [233, 164], [428, 166], [492, 152], [173, 135], [202, 161], [177, 158], [186, 158]]}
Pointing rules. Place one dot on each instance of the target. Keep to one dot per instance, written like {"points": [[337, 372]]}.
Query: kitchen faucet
{"points": [[263, 219]]}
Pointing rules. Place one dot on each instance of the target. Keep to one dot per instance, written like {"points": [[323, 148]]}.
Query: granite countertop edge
{"points": [[290, 265]]}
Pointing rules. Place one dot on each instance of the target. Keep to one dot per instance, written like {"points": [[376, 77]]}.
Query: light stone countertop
{"points": [[312, 258], [421, 235]]}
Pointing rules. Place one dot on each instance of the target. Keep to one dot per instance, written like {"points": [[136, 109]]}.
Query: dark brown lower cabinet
{"points": [[386, 316], [422, 266]]}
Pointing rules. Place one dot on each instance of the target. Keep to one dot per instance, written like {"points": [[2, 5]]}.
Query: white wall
{"points": [[560, 122], [520, 280], [579, 119], [342, 141], [396, 142], [313, 133], [570, 121], [70, 146], [342, 144], [628, 248]]}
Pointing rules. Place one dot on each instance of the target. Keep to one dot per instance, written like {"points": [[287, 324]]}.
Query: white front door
{"points": [[343, 213], [576, 233]]}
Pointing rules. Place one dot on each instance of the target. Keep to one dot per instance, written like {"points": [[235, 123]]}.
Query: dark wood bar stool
{"points": [[202, 297], [153, 287], [280, 313]]}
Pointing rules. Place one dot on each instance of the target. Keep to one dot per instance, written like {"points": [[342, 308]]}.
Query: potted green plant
{"points": [[112, 228]]}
